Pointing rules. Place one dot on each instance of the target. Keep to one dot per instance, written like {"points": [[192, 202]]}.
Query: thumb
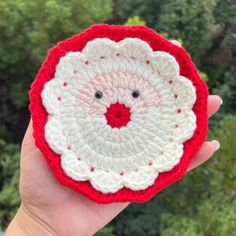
{"points": [[28, 140]]}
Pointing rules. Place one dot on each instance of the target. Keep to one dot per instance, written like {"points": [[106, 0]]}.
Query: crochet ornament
{"points": [[118, 112]]}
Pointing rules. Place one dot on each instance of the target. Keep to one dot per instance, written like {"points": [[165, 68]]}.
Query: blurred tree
{"points": [[225, 10], [217, 216], [227, 90], [186, 19], [220, 60], [28, 29], [203, 75], [175, 225], [107, 231], [9, 178], [135, 20], [189, 20], [139, 219], [124, 9]]}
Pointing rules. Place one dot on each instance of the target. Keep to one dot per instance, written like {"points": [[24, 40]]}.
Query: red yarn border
{"points": [[117, 33]]}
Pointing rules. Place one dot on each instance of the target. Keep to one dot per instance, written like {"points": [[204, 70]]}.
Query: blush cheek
{"points": [[84, 98], [97, 108], [151, 97], [148, 95], [152, 102]]}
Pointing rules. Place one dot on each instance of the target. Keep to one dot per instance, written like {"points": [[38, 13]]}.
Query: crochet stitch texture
{"points": [[118, 112]]}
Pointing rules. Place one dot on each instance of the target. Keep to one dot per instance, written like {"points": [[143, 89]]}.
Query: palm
{"points": [[42, 194], [68, 211]]}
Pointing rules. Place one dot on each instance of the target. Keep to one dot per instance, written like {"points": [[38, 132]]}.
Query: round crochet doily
{"points": [[118, 112]]}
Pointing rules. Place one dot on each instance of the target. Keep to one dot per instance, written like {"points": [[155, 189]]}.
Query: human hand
{"points": [[48, 208]]}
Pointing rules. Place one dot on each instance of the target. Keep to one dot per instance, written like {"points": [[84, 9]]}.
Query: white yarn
{"points": [[161, 117]]}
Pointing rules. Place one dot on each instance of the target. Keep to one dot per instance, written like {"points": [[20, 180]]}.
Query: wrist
{"points": [[25, 223]]}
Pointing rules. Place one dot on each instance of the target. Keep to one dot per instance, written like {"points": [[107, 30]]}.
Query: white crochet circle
{"points": [[161, 117]]}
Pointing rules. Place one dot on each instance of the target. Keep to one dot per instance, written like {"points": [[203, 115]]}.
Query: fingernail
{"points": [[216, 144], [176, 42], [221, 101], [218, 97]]}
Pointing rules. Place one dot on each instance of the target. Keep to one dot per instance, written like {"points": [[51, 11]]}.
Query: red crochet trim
{"points": [[117, 33]]}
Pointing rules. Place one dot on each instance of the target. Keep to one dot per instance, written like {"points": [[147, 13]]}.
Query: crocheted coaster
{"points": [[118, 112]]}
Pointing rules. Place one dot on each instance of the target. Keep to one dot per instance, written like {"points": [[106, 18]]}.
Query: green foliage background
{"points": [[203, 203]]}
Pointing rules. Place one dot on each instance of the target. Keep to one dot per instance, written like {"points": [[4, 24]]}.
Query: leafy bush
{"points": [[175, 225], [192, 24], [135, 20], [139, 219], [107, 231]]}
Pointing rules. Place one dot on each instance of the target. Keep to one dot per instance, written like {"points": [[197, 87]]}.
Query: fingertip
{"points": [[204, 153], [214, 103], [216, 99]]}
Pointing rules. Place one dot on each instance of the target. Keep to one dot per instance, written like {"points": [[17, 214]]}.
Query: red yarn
{"points": [[117, 115], [117, 33]]}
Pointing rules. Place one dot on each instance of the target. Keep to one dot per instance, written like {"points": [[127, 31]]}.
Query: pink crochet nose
{"points": [[117, 115]]}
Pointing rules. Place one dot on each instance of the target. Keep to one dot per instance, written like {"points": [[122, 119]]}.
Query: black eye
{"points": [[98, 94], [135, 93]]}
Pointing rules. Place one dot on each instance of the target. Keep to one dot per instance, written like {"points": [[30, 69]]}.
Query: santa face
{"points": [[119, 114]]}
